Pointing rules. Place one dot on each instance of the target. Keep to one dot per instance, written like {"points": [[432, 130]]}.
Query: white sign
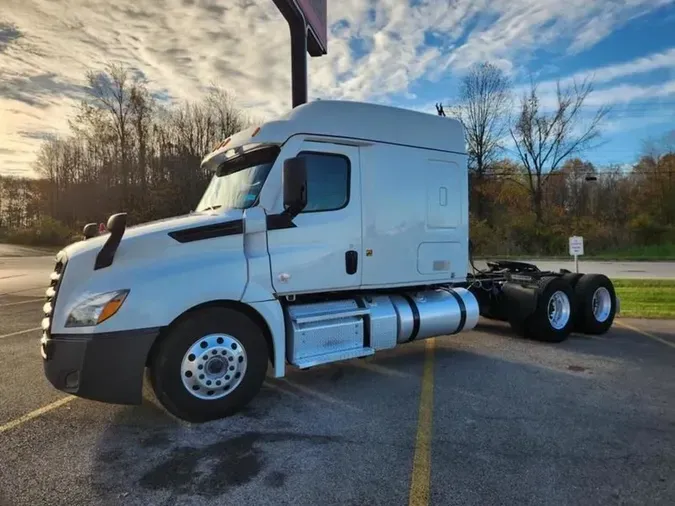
{"points": [[576, 245]]}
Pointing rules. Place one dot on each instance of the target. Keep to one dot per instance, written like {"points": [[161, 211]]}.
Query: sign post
{"points": [[576, 249]]}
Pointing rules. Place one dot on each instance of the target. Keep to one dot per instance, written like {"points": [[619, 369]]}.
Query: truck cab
{"points": [[338, 230]]}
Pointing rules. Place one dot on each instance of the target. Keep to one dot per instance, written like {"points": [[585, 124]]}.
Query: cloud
{"points": [[37, 90], [8, 35], [377, 49], [42, 136], [609, 16], [628, 121], [608, 73]]}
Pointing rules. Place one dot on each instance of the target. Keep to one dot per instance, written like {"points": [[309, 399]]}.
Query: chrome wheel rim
{"points": [[602, 304], [213, 366], [559, 310]]}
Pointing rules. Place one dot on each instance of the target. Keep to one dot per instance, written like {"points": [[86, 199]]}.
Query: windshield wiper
{"points": [[212, 208]]}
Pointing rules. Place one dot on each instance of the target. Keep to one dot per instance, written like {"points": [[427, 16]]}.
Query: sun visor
{"points": [[244, 141]]}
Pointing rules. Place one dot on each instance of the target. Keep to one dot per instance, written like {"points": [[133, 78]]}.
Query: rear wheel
{"points": [[209, 365], [596, 304], [551, 320], [572, 278]]}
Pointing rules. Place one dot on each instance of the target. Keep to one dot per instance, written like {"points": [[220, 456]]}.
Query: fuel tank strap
{"points": [[416, 316], [462, 310]]}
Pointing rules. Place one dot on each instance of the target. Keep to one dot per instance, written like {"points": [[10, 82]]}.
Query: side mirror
{"points": [[90, 230], [117, 223], [295, 185]]}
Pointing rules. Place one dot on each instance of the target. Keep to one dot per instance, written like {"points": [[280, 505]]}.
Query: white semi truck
{"points": [[336, 231]]}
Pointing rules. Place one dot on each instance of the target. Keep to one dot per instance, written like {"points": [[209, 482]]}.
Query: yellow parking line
{"points": [[421, 472], [21, 302], [34, 414], [20, 332], [646, 334]]}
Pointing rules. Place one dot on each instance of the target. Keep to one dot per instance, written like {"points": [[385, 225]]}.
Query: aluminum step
{"points": [[335, 356], [329, 315]]}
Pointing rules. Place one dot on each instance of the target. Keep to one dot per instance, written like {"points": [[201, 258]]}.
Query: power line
{"points": [[618, 105], [583, 174]]}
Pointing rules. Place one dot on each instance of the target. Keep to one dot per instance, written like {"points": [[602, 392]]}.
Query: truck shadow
{"points": [[317, 429], [145, 454]]}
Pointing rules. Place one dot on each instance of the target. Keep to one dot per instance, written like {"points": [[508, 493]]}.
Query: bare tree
{"points": [[141, 116], [112, 92], [228, 117], [544, 139], [483, 109], [657, 147]]}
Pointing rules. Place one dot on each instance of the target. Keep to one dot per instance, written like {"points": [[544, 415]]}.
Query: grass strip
{"points": [[646, 298]]}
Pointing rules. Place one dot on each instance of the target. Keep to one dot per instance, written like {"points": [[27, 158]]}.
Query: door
{"points": [[322, 252]]}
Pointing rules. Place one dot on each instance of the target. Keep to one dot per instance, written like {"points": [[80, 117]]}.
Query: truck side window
{"points": [[327, 181]]}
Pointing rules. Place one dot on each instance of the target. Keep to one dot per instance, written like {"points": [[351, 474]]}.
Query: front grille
{"points": [[52, 292]]}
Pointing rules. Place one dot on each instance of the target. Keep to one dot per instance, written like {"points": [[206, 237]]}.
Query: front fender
{"points": [[161, 288]]}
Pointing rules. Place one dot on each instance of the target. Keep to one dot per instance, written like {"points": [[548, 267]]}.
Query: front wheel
{"points": [[209, 365]]}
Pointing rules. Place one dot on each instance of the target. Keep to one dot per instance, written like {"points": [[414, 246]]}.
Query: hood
{"points": [[156, 231]]}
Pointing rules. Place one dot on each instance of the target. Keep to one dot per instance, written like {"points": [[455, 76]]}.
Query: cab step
{"points": [[334, 357]]}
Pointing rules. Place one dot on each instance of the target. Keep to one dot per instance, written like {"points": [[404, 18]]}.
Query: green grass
{"points": [[655, 252], [646, 298]]}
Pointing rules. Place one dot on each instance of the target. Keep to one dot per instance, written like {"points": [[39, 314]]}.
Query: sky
{"points": [[408, 53]]}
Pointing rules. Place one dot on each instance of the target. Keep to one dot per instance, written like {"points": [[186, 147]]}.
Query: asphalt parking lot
{"points": [[478, 418]]}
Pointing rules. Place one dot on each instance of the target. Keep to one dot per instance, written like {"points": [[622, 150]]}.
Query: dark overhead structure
{"points": [[308, 24]]}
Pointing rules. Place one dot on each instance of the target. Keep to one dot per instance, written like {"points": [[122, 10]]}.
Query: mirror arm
{"points": [[290, 212]]}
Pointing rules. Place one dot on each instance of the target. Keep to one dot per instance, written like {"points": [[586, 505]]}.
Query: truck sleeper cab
{"points": [[338, 230]]}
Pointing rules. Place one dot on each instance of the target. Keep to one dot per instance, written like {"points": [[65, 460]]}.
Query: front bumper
{"points": [[103, 367]]}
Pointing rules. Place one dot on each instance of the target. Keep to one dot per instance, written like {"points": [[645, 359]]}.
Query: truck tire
{"points": [[596, 304], [552, 320], [572, 278], [209, 365]]}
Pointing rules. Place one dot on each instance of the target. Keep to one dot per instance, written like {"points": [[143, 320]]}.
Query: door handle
{"points": [[351, 261]]}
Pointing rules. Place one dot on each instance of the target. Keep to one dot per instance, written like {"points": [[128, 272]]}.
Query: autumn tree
{"points": [[654, 191]]}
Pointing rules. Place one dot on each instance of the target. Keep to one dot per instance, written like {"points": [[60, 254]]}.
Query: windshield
{"points": [[238, 181]]}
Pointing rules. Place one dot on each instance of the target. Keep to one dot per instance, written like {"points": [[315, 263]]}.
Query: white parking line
{"points": [[34, 414], [20, 332], [22, 302], [41, 287], [277, 388], [646, 334], [380, 369], [319, 395]]}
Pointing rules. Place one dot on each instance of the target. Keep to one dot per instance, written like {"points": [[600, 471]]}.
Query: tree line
{"points": [[125, 151], [528, 203], [529, 185]]}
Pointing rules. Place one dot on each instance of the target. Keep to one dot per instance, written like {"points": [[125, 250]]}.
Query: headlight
{"points": [[96, 309]]}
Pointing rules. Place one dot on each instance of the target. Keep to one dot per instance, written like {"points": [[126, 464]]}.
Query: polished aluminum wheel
{"points": [[602, 304], [213, 366], [559, 310]]}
